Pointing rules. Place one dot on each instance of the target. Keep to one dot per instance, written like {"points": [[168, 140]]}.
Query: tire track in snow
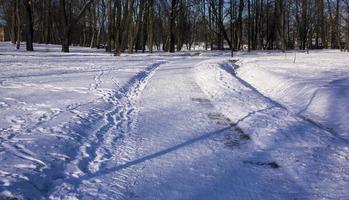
{"points": [[112, 143]]}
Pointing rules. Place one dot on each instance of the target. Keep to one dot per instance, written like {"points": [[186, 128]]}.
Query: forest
{"points": [[173, 25]]}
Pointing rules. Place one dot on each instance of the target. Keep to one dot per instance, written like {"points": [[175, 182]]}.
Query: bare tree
{"points": [[68, 21], [175, 24]]}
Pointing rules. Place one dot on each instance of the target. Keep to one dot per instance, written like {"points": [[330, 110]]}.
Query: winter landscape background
{"points": [[174, 99]]}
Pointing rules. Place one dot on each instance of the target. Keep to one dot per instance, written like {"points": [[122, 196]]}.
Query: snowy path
{"points": [[156, 127], [190, 146], [109, 144]]}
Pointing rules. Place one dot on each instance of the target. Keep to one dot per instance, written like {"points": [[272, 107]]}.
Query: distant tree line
{"points": [[172, 25]]}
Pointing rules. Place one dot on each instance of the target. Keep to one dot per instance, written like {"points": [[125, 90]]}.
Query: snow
{"points": [[315, 87], [302, 149], [190, 125]]}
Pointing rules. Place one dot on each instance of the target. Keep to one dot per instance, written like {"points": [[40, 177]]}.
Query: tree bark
{"points": [[172, 26], [93, 43], [279, 17], [18, 24], [150, 26], [14, 22], [338, 24], [29, 25], [118, 31], [110, 27], [220, 42], [249, 25], [139, 26], [231, 28], [129, 26], [48, 23], [322, 24], [241, 9], [348, 26]]}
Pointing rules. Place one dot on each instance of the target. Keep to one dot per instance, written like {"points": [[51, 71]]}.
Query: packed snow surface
{"points": [[192, 125]]}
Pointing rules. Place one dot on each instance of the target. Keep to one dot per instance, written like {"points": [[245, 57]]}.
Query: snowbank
{"points": [[315, 87]]}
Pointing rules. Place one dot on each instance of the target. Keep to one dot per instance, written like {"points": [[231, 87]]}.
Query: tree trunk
{"points": [[110, 27], [231, 28], [139, 26], [93, 43], [322, 24], [338, 24], [29, 25], [172, 26], [348, 26], [13, 23], [220, 42], [241, 9], [66, 41], [19, 31], [279, 17], [65, 26], [249, 25], [118, 31], [210, 24], [130, 27], [205, 24], [48, 24], [125, 27], [260, 32], [150, 26], [304, 25], [101, 26]]}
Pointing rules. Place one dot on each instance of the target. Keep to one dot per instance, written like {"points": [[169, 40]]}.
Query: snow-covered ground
{"points": [[88, 125], [314, 86]]}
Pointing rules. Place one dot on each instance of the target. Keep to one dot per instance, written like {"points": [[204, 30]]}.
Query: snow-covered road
{"points": [[88, 125]]}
